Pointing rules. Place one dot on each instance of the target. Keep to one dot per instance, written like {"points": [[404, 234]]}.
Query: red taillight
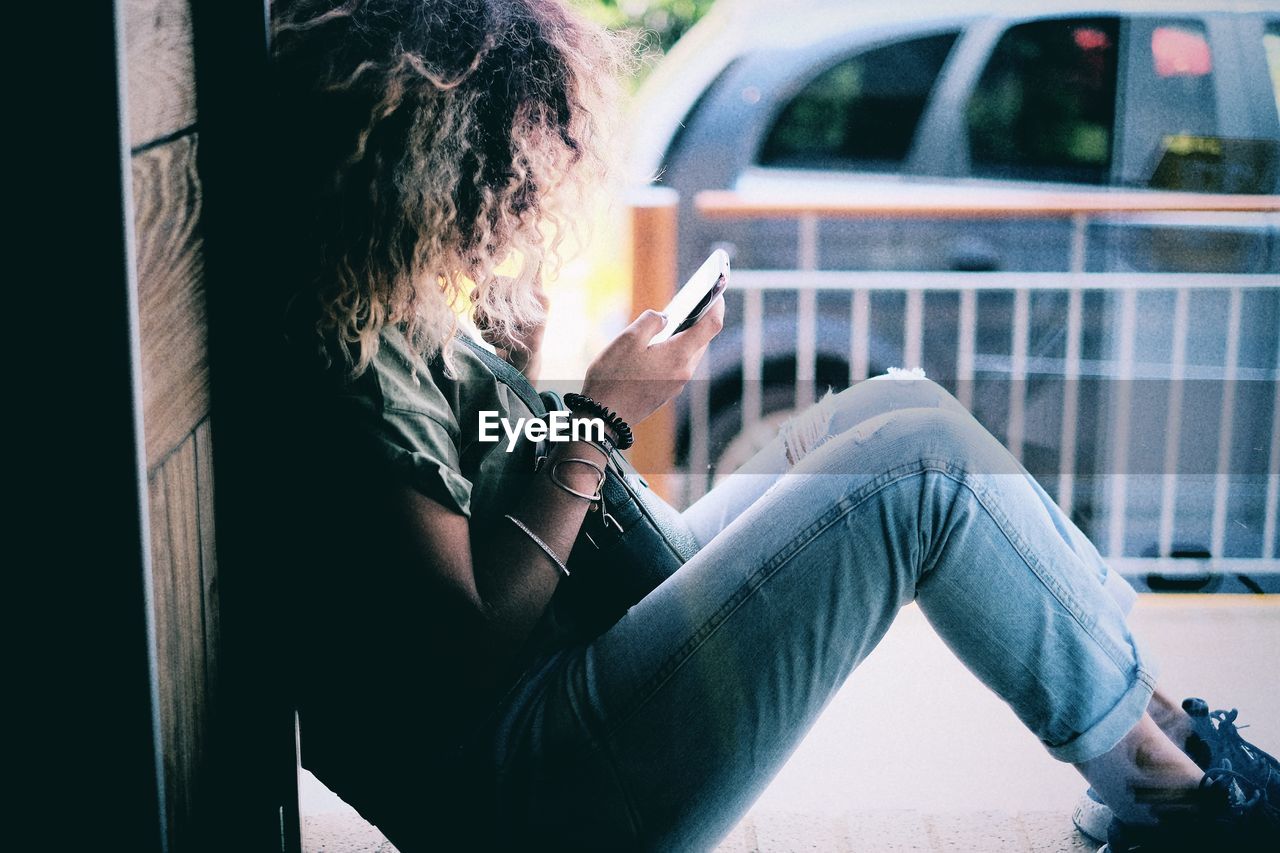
{"points": [[1089, 38], [1180, 53]]}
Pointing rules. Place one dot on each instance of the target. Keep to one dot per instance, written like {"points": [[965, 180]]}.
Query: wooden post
{"points": [[653, 282], [253, 750]]}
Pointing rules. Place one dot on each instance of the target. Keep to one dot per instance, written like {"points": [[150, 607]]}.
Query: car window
{"points": [[862, 113], [1044, 107], [1170, 109]]}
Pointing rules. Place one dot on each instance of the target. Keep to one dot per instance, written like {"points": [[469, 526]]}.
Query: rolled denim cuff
{"points": [[1114, 725]]}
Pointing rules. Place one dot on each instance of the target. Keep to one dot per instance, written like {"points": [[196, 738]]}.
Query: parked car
{"points": [[830, 98]]}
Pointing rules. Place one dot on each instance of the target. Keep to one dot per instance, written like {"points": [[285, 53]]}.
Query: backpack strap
{"points": [[507, 375]]}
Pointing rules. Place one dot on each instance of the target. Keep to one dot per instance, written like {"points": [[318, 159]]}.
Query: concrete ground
{"points": [[914, 754]]}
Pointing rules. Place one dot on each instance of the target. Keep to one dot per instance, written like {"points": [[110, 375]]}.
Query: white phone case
{"points": [[691, 294]]}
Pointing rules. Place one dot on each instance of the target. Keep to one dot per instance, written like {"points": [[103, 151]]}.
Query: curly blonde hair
{"points": [[426, 142]]}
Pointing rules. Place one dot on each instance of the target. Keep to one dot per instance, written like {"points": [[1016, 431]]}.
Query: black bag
{"points": [[629, 543]]}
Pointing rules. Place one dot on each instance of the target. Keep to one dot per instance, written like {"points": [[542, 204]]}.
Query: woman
{"points": [[426, 144]]}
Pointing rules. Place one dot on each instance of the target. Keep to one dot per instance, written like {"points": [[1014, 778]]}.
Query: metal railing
{"points": [[807, 281]]}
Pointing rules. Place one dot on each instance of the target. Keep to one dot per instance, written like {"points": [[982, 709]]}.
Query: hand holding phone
{"points": [[697, 296]]}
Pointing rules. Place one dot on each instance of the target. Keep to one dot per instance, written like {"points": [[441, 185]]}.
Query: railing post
{"points": [[1079, 241], [807, 314], [654, 253]]}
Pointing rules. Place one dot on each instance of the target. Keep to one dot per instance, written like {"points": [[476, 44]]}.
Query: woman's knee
{"points": [[849, 410], [915, 390], [940, 436], [888, 393]]}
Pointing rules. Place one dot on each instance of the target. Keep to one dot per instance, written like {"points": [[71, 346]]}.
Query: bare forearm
{"points": [[514, 577]]}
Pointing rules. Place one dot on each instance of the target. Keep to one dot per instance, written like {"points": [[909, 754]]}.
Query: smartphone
{"points": [[697, 296]]}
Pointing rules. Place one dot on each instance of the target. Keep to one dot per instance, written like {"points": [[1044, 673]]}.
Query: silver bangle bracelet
{"points": [[595, 445], [567, 488], [537, 540], [606, 446]]}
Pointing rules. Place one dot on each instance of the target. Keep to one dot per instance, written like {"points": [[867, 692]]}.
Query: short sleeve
{"points": [[404, 446], [400, 422], [423, 454]]}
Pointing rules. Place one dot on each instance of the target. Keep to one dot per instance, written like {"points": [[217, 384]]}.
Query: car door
{"points": [[1188, 124], [1028, 103], [1199, 116], [1101, 101], [1144, 102]]}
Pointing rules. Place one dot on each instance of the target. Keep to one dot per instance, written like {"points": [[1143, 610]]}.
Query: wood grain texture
{"points": [[161, 68], [171, 295], [183, 649], [653, 283], [208, 556]]}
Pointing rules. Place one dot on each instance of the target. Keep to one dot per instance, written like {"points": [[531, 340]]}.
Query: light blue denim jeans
{"points": [[660, 733]]}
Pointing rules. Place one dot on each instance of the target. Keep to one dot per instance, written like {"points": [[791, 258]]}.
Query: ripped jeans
{"points": [[661, 732]]}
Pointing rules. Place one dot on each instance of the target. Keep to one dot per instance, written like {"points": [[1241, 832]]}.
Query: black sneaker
{"points": [[1215, 740], [1227, 812]]}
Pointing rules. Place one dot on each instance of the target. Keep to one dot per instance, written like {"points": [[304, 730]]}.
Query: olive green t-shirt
{"points": [[423, 426], [384, 688]]}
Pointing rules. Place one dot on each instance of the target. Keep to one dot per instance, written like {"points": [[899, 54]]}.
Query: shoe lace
{"points": [[1234, 745], [1242, 793], [1245, 803]]}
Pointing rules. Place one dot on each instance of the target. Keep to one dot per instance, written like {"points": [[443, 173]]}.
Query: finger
{"points": [[646, 325], [707, 327]]}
